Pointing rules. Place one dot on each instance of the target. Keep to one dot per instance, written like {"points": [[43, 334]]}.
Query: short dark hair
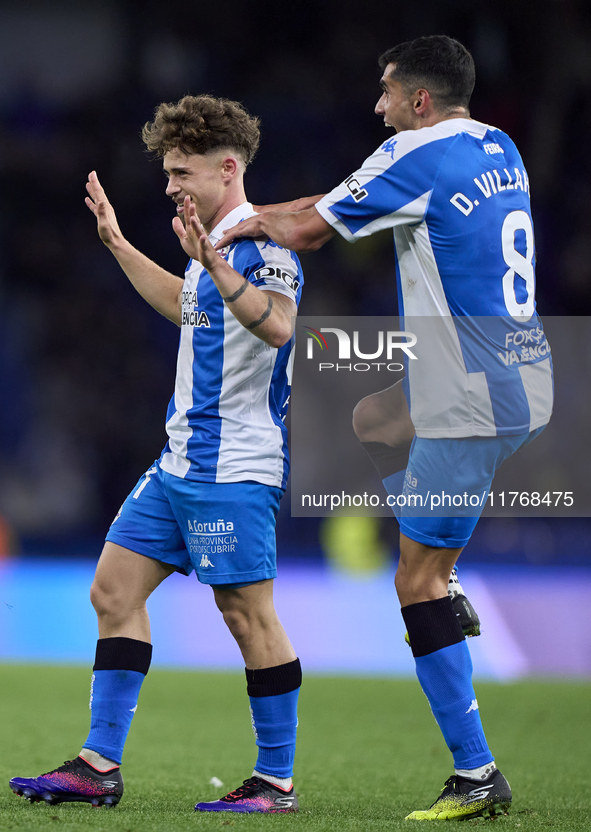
{"points": [[439, 64], [201, 124]]}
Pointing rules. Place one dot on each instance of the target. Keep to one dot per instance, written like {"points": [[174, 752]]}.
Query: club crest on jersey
{"points": [[195, 318]]}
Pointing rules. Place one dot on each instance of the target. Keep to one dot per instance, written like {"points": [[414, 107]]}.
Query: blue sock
{"points": [[444, 670], [120, 668], [274, 722], [446, 679], [273, 694]]}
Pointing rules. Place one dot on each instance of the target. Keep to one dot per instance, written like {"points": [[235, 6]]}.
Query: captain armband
{"points": [[263, 317]]}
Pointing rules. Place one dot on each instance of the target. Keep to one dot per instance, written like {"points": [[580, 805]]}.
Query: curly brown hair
{"points": [[200, 124]]}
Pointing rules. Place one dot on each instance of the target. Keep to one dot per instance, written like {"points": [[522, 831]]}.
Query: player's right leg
{"points": [[124, 580]]}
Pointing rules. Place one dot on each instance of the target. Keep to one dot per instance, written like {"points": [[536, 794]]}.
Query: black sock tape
{"points": [[386, 459], [273, 681], [431, 626], [123, 654]]}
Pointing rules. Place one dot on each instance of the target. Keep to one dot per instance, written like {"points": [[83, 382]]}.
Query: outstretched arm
{"points": [[268, 315], [294, 205], [303, 231], [159, 288]]}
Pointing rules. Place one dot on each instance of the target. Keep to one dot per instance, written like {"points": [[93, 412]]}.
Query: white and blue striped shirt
{"points": [[225, 421], [457, 198]]}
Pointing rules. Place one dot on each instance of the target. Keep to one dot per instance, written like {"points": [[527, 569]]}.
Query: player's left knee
{"points": [[363, 419], [238, 623], [248, 622]]}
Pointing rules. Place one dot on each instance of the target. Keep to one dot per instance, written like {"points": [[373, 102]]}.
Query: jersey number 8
{"points": [[519, 266]]}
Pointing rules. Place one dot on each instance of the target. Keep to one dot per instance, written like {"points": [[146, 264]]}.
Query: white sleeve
{"points": [[280, 272]]}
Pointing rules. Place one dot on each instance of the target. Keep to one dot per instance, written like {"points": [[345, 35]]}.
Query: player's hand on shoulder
{"points": [[107, 225], [251, 227]]}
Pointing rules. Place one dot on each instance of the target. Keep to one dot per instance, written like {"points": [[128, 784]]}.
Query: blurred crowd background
{"points": [[86, 367]]}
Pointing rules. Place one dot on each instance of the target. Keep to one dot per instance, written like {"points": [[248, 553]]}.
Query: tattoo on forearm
{"points": [[238, 292], [263, 317]]}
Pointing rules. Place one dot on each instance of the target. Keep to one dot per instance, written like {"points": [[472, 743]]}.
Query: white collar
{"points": [[235, 216], [468, 125]]}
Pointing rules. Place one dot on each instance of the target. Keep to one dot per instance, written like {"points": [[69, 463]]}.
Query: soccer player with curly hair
{"points": [[210, 501]]}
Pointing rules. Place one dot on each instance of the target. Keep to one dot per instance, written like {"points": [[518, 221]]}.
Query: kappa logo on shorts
{"points": [[205, 561]]}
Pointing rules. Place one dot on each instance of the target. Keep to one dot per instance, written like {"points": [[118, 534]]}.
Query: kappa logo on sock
{"points": [[133, 710], [92, 678], [473, 706], [254, 727]]}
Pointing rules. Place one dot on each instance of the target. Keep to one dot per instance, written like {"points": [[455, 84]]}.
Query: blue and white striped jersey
{"points": [[458, 200], [225, 421]]}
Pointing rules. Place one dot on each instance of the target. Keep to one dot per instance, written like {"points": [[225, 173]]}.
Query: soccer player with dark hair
{"points": [[456, 194], [210, 501]]}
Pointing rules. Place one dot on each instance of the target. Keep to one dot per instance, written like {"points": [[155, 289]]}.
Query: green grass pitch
{"points": [[369, 751]]}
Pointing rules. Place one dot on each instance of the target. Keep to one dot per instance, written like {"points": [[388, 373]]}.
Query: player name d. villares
{"points": [[489, 183]]}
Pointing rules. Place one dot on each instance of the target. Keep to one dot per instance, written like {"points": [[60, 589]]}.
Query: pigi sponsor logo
{"points": [[269, 271], [385, 344]]}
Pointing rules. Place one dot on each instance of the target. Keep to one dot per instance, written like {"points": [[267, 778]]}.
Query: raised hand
{"points": [[107, 225], [193, 237]]}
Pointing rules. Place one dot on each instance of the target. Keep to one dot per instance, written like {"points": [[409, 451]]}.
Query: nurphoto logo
{"points": [[383, 346]]}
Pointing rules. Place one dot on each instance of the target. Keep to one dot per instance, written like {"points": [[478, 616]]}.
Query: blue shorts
{"points": [[447, 484], [223, 531]]}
